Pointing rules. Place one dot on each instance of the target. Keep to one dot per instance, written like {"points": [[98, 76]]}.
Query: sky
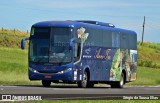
{"points": [[126, 14]]}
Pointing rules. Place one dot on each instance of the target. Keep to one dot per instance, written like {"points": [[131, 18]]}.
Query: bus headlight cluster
{"points": [[66, 70], [33, 70]]}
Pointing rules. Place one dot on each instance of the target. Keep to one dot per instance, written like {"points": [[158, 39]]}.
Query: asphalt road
{"points": [[73, 92]]}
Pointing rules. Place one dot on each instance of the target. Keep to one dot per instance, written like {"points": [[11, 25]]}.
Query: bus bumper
{"points": [[67, 75]]}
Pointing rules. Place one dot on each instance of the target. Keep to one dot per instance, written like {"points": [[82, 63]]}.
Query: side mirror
{"points": [[23, 42], [71, 43]]}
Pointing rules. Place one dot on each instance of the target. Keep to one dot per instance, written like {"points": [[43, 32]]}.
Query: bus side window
{"points": [[115, 39], [77, 51]]}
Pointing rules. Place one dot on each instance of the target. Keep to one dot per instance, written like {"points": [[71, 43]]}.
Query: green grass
{"points": [[14, 78], [13, 59], [147, 76], [13, 66], [96, 101]]}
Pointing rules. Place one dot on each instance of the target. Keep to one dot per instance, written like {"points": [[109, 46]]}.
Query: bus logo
{"points": [[82, 35], [87, 51]]}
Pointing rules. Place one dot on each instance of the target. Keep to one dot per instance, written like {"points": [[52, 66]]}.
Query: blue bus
{"points": [[81, 52]]}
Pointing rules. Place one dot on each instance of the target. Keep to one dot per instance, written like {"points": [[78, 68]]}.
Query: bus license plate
{"points": [[47, 76]]}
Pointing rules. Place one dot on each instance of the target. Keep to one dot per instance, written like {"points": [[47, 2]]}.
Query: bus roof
{"points": [[79, 23]]}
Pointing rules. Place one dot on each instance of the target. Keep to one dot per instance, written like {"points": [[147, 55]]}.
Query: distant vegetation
{"points": [[151, 45], [11, 38], [149, 55]]}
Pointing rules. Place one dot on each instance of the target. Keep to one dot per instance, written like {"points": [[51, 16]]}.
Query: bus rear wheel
{"points": [[85, 83], [46, 83], [119, 84]]}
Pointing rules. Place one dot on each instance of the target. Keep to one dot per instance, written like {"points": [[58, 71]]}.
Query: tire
{"points": [[119, 84], [90, 85], [85, 83], [46, 83]]}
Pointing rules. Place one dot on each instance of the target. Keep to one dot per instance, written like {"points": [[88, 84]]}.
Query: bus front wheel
{"points": [[85, 83], [46, 83]]}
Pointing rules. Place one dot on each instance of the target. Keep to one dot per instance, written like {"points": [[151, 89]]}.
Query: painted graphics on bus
{"points": [[110, 58]]}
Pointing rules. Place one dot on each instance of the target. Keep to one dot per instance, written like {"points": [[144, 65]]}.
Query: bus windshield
{"points": [[50, 45]]}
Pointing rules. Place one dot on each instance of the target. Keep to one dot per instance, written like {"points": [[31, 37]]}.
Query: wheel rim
{"points": [[122, 80], [84, 79]]}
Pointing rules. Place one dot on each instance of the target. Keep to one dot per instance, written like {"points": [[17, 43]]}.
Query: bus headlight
{"points": [[33, 70], [66, 70]]}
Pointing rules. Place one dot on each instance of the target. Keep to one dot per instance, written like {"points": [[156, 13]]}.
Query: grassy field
{"points": [[14, 64], [147, 76]]}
